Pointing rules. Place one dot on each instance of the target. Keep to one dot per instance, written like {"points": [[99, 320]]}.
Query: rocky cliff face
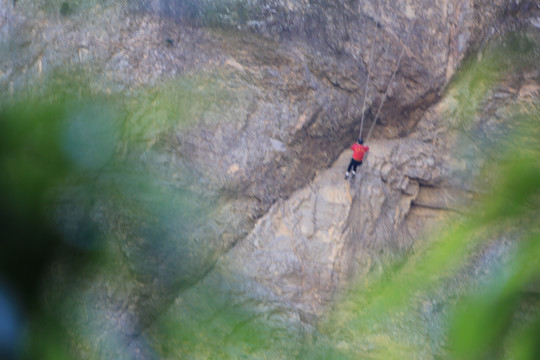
{"points": [[305, 250], [252, 122]]}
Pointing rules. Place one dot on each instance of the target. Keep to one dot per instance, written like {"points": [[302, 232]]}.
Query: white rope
{"points": [[368, 75], [365, 96], [391, 80]]}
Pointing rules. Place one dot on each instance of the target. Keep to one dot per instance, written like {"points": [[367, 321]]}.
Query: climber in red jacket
{"points": [[359, 150]]}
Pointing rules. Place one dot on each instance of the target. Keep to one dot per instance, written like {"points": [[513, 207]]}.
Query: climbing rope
{"points": [[365, 95], [368, 74], [389, 84]]}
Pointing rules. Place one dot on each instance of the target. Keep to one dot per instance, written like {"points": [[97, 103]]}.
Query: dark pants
{"points": [[353, 164]]}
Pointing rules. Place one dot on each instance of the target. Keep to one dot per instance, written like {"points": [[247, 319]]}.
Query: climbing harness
{"points": [[387, 87]]}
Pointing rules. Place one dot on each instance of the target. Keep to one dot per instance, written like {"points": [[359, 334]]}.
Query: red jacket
{"points": [[359, 151]]}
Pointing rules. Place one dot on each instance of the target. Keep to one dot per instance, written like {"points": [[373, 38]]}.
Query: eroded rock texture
{"points": [[260, 158], [306, 248]]}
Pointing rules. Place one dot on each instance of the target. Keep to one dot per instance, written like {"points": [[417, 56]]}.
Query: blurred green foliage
{"points": [[79, 181], [31, 163]]}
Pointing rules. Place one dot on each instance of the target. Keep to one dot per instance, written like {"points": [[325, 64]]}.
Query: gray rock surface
{"points": [[271, 102], [304, 251]]}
